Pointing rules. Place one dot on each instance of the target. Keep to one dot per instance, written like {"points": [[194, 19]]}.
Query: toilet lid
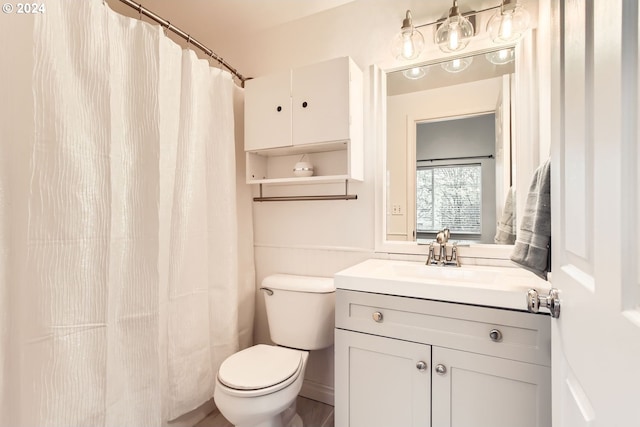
{"points": [[259, 367]]}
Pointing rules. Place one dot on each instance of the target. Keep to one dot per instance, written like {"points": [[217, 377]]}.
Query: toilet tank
{"points": [[300, 310]]}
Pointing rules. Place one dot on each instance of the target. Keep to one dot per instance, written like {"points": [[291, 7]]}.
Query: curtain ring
{"points": [[168, 27], [188, 39], [140, 11]]}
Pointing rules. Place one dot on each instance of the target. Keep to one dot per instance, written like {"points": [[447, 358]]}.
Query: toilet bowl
{"points": [[258, 386]]}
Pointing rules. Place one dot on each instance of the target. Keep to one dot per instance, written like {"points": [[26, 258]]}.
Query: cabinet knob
{"points": [[377, 316], [279, 108], [304, 104], [422, 366], [495, 335], [441, 369]]}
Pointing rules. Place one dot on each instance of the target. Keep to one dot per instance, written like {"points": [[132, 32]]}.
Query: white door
{"points": [[595, 213]]}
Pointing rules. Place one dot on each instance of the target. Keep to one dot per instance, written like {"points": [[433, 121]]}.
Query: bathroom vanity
{"points": [[412, 348]]}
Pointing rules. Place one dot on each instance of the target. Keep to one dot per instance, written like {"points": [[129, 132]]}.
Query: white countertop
{"points": [[502, 287]]}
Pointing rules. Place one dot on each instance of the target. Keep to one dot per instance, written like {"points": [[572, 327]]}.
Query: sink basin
{"points": [[504, 287], [456, 274]]}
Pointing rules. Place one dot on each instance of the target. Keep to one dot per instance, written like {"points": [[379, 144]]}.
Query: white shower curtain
{"points": [[119, 254]]}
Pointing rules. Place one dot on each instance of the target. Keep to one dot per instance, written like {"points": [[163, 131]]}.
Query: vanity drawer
{"points": [[496, 332]]}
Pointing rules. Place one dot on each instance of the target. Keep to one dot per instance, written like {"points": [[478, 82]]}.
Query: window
{"points": [[449, 197]]}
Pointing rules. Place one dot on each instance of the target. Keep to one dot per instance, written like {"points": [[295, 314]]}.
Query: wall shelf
{"points": [[332, 162], [301, 180]]}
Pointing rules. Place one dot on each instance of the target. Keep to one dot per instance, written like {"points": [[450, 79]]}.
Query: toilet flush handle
{"points": [[267, 291]]}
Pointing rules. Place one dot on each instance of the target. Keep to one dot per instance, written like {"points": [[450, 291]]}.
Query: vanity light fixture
{"points": [[509, 23], [408, 44], [455, 32], [500, 57], [457, 65], [414, 73]]}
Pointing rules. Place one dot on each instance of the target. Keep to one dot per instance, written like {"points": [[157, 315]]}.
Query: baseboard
{"points": [[316, 391]]}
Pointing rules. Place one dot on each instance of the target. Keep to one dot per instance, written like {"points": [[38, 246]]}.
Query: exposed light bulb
{"points": [[414, 73], [509, 23], [506, 27], [500, 57], [454, 37], [455, 32], [457, 65], [408, 50], [409, 42]]}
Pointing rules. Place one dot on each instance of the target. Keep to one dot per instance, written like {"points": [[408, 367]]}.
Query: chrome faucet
{"points": [[438, 254], [443, 236]]}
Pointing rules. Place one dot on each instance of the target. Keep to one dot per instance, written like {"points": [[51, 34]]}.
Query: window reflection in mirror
{"points": [[455, 178], [449, 149]]}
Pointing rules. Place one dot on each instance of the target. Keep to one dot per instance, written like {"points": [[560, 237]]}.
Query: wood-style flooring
{"points": [[313, 414]]}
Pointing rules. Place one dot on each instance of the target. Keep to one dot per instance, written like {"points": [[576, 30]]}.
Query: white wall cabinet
{"points": [[485, 366], [315, 110]]}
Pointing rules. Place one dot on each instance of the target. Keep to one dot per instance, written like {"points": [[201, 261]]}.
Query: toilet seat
{"points": [[260, 370]]}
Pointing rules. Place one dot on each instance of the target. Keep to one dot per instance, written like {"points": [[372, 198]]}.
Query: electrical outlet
{"points": [[396, 210]]}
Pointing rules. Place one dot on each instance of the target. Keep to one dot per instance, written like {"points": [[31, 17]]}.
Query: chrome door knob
{"points": [[422, 366], [441, 369], [495, 335], [377, 316], [551, 301]]}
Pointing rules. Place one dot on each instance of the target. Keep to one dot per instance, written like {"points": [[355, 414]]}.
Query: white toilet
{"points": [[258, 386]]}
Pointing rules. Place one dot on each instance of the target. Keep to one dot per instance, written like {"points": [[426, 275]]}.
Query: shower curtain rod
{"points": [[190, 40]]}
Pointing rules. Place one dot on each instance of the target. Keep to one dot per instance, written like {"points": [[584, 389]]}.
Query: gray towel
{"points": [[533, 243], [506, 227]]}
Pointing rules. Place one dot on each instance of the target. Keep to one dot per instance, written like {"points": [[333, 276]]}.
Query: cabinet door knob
{"points": [[422, 366], [495, 335], [279, 108], [304, 104], [441, 369], [377, 316]]}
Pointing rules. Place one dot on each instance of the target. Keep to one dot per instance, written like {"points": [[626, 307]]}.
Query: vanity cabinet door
{"points": [[267, 112], [381, 382], [473, 390]]}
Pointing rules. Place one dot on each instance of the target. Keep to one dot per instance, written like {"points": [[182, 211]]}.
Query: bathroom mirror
{"points": [[459, 138], [449, 147]]}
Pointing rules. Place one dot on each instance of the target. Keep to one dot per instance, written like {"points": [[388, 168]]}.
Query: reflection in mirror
{"points": [[450, 149]]}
